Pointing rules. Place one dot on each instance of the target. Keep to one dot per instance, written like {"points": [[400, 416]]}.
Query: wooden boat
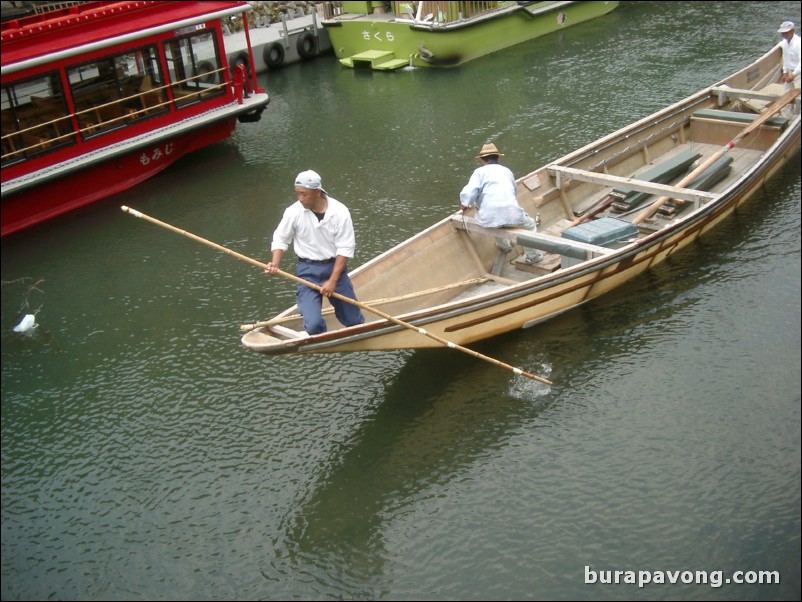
{"points": [[98, 96], [391, 35], [608, 212]]}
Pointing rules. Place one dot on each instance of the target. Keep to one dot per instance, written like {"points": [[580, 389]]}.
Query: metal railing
{"points": [[432, 11], [47, 7], [33, 139]]}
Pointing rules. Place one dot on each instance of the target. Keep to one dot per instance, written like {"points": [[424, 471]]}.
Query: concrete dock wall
{"points": [[281, 33]]}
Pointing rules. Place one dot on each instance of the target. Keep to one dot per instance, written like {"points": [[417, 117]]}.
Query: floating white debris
{"points": [[28, 322]]}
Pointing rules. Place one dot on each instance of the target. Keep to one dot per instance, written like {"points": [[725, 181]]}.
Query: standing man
{"points": [[493, 190], [322, 234], [791, 49]]}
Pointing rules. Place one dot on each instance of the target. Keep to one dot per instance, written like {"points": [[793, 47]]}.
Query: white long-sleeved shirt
{"points": [[791, 51], [313, 239], [492, 189]]}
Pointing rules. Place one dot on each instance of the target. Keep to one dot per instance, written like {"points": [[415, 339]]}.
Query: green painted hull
{"points": [[379, 42]]}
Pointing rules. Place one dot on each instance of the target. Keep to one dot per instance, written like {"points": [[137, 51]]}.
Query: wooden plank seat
{"points": [[664, 172], [602, 179], [736, 117], [53, 112], [113, 113], [576, 244], [150, 96], [630, 186], [34, 142], [39, 110], [11, 140], [607, 231], [754, 100], [769, 93], [532, 239], [38, 127], [44, 118], [705, 181]]}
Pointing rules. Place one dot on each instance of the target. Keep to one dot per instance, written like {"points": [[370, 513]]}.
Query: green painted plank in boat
{"points": [[705, 181], [719, 115], [601, 232], [662, 173]]}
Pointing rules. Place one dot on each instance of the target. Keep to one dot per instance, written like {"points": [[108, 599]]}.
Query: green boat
{"points": [[392, 35]]}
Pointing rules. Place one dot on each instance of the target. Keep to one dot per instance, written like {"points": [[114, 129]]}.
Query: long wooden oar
{"points": [[359, 304], [770, 112]]}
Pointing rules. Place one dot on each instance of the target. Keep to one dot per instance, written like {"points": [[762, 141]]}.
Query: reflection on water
{"points": [[438, 416]]}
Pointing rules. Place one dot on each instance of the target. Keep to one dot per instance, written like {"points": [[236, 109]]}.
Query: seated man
{"points": [[492, 189]]}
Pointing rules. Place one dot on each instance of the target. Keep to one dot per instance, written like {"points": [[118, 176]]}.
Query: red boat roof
{"points": [[88, 22]]}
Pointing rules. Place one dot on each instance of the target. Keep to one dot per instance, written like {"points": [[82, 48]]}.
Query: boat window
{"points": [[195, 68], [145, 84], [35, 119], [118, 90]]}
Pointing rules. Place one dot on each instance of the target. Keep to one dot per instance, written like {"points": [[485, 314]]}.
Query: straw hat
{"points": [[489, 149]]}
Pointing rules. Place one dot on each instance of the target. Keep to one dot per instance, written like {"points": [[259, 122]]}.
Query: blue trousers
{"points": [[310, 301]]}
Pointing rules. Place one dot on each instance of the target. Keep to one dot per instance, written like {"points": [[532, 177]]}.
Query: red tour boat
{"points": [[99, 96]]}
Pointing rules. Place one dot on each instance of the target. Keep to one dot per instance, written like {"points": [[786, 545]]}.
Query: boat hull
{"points": [[57, 195], [525, 306], [383, 44], [444, 279]]}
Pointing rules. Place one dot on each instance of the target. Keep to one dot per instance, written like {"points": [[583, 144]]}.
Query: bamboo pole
{"points": [[373, 310]]}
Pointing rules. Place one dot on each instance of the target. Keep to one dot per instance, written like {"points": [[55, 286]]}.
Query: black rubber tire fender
{"points": [[306, 45], [240, 58], [273, 54]]}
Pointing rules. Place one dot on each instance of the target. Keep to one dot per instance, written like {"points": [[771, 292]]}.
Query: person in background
{"points": [[492, 189], [320, 229], [791, 49]]}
